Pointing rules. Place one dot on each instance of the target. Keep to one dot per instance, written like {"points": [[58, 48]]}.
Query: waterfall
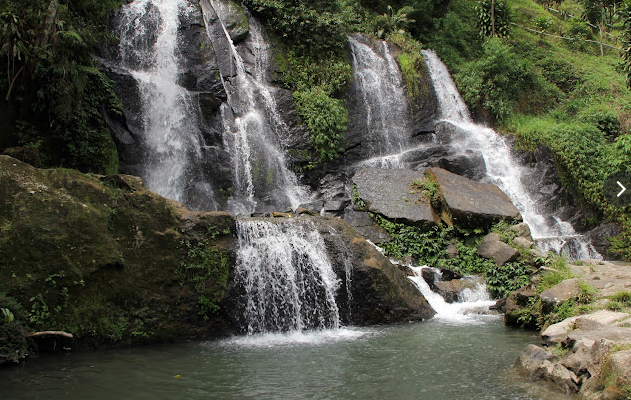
{"points": [[253, 127], [502, 168], [472, 301], [288, 279], [171, 140], [385, 119]]}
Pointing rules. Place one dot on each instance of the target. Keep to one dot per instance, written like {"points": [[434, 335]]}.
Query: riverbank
{"points": [[588, 353]]}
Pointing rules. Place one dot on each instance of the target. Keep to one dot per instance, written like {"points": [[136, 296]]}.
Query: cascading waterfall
{"points": [[472, 301], [253, 130], [289, 282], [502, 168], [379, 81], [171, 140]]}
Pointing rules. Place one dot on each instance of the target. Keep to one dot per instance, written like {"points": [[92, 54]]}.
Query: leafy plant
{"points": [[431, 190], [207, 268], [14, 344], [493, 18], [55, 93], [326, 119]]}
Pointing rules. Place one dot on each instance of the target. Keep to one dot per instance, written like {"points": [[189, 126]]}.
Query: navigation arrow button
{"points": [[615, 189], [623, 188]]}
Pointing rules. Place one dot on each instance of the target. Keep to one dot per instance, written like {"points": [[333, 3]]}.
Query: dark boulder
{"points": [[471, 202], [391, 194], [600, 237], [380, 292]]}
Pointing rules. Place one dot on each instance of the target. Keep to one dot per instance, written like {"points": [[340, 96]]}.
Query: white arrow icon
{"points": [[623, 188]]}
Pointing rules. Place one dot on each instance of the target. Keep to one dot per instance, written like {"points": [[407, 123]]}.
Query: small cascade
{"points": [[288, 279], [472, 302], [378, 80], [502, 168], [171, 139], [252, 126]]}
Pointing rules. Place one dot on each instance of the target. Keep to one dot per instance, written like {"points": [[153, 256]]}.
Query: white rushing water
{"points": [[503, 169], [473, 302], [379, 81], [252, 130], [288, 279], [171, 139]]}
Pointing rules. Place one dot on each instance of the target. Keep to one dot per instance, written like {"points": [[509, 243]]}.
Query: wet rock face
{"points": [[379, 291]]}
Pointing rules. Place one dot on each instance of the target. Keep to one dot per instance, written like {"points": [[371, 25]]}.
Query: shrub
{"points": [[326, 119], [603, 118], [14, 342], [494, 82]]}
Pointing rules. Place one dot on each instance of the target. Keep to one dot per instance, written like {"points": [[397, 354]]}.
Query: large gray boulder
{"points": [[361, 221], [568, 289], [493, 248], [615, 376], [469, 201], [391, 194], [534, 361]]}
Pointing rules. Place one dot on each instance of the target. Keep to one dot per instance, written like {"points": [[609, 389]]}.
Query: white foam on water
{"points": [[299, 338], [472, 308]]}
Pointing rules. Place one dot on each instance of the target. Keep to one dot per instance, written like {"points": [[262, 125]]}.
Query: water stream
{"points": [[502, 168], [472, 307], [287, 276], [171, 140], [253, 128], [385, 118]]}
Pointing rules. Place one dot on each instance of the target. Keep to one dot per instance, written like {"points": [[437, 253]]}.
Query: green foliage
{"points": [[410, 61], [55, 93], [317, 29], [207, 268], [326, 119], [316, 83], [428, 245], [543, 24], [393, 22], [506, 231], [603, 118], [13, 332], [502, 281], [497, 81], [357, 200], [625, 14], [493, 17], [431, 190], [622, 297], [422, 243]]}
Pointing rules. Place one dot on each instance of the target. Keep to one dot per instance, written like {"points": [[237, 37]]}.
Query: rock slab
{"points": [[559, 293], [391, 194], [466, 198], [493, 248]]}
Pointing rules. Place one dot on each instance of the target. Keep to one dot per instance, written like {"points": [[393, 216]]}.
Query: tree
{"points": [[625, 15], [493, 18], [601, 13]]}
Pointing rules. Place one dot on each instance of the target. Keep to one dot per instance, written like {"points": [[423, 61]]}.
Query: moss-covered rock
{"points": [[107, 260]]}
